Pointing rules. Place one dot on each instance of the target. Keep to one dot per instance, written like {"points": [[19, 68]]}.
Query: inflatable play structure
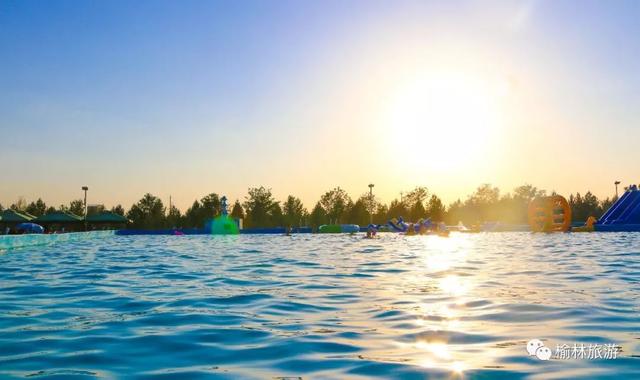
{"points": [[549, 214], [223, 224], [624, 214], [338, 228], [421, 227]]}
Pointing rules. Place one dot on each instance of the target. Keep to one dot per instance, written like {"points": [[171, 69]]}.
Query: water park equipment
{"points": [[222, 224], [338, 228], [624, 214], [421, 227], [589, 226], [30, 228], [549, 214]]}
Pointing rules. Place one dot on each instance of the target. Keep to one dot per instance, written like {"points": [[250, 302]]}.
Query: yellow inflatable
{"points": [[549, 214], [588, 226]]}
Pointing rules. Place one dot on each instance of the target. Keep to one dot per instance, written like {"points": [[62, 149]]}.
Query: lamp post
{"points": [[616, 183], [371, 203], [85, 188]]}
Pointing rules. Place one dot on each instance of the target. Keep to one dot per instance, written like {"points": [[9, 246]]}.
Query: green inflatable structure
{"points": [[223, 224]]}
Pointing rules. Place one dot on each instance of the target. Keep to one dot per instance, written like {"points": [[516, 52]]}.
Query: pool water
{"points": [[320, 306]]}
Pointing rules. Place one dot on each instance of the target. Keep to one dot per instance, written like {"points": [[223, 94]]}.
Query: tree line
{"points": [[260, 209]]}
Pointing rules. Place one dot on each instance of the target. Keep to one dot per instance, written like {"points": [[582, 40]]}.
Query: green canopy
{"points": [[58, 217], [107, 217], [12, 216]]}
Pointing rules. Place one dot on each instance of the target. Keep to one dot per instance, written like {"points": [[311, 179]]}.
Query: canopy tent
{"points": [[58, 217], [13, 216], [107, 217]]}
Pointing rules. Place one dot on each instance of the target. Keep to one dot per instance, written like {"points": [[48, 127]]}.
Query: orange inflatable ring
{"points": [[549, 214]]}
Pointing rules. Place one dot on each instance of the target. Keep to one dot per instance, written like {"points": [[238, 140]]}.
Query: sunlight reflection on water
{"points": [[319, 306]]}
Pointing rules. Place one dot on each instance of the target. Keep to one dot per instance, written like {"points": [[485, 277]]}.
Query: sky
{"points": [[185, 98]]}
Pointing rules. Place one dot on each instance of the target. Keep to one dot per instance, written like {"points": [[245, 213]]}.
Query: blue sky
{"points": [[183, 98]]}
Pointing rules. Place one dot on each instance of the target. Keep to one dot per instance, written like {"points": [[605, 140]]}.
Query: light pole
{"points": [[371, 203], [616, 183], [85, 188]]}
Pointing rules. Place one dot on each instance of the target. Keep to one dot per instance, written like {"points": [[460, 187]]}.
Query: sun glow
{"points": [[446, 119]]}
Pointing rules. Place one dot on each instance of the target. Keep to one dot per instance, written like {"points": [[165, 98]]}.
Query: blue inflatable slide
{"points": [[624, 215]]}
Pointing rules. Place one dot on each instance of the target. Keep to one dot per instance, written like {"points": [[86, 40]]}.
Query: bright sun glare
{"points": [[446, 117]]}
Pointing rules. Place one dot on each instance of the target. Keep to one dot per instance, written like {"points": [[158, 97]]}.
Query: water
{"points": [[319, 306]]}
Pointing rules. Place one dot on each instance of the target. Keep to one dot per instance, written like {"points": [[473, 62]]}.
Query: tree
{"points": [[417, 211], [318, 216], [258, 206], [76, 207], [192, 216], [118, 210], [37, 208], [294, 211], [435, 209], [147, 213], [237, 211], [1, 208], [417, 195], [20, 205], [174, 218], [482, 202], [397, 209], [211, 206], [380, 217], [527, 192], [335, 204], [455, 213], [357, 212], [276, 217], [584, 207]]}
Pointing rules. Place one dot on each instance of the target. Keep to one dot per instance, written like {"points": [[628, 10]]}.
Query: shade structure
{"points": [[13, 216], [107, 217], [58, 217]]}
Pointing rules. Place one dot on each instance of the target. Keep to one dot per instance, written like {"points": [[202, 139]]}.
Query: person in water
{"points": [[411, 230], [371, 232]]}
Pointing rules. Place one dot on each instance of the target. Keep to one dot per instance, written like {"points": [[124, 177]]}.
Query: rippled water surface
{"points": [[318, 306]]}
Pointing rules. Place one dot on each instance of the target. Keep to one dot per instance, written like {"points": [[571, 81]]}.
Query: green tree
{"points": [[192, 215], [276, 217], [417, 195], [318, 216], [211, 207], [585, 206], [37, 208], [258, 207], [76, 207], [1, 208], [335, 203], [528, 192], [397, 209], [417, 212], [294, 212], [147, 213], [357, 212], [237, 211], [118, 210], [20, 205], [380, 217], [455, 213], [174, 217], [435, 209], [481, 204]]}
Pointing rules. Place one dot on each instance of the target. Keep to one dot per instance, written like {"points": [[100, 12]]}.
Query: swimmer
{"points": [[410, 230]]}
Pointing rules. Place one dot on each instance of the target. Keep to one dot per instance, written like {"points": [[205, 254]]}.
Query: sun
{"points": [[445, 120]]}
